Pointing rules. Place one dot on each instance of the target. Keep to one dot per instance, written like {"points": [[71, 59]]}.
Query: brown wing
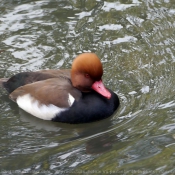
{"points": [[51, 91]]}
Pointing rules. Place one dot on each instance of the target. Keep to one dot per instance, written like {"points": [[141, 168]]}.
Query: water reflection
{"points": [[79, 130]]}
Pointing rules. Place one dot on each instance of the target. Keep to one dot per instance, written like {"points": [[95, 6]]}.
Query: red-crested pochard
{"points": [[71, 96]]}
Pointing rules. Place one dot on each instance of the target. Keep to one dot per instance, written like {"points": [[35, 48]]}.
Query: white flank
{"points": [[32, 106], [71, 100]]}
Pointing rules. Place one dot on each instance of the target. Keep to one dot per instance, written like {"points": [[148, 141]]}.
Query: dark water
{"points": [[136, 42]]}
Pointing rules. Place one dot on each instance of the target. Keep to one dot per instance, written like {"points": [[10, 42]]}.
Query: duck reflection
{"points": [[101, 143]]}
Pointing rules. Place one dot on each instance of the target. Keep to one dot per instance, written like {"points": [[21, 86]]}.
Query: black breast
{"points": [[91, 107]]}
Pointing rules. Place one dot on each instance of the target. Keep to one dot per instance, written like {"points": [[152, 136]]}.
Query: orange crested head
{"points": [[86, 74], [88, 64]]}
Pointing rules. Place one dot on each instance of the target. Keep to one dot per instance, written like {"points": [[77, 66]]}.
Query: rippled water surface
{"points": [[135, 40]]}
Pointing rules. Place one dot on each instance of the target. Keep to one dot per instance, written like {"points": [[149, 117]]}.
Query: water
{"points": [[135, 41]]}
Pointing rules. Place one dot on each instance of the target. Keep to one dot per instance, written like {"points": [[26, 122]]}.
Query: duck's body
{"points": [[70, 96]]}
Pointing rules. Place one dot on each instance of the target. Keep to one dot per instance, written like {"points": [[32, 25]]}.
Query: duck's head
{"points": [[86, 74]]}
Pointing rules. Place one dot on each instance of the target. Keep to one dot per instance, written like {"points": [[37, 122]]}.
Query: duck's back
{"points": [[24, 78]]}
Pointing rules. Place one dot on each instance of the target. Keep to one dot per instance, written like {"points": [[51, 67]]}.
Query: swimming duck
{"points": [[70, 96]]}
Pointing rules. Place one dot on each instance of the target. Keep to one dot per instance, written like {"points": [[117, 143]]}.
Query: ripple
{"points": [[167, 105], [110, 27], [118, 6], [13, 20], [121, 40]]}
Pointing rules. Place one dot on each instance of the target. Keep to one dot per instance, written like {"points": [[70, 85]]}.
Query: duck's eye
{"points": [[87, 76]]}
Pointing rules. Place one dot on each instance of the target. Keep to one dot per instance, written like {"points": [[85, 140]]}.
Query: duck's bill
{"points": [[99, 87]]}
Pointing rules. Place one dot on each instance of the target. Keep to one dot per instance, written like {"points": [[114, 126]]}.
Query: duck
{"points": [[75, 95]]}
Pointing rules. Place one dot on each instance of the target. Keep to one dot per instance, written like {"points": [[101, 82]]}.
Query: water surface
{"points": [[135, 41]]}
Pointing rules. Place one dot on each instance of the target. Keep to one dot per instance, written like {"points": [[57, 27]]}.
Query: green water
{"points": [[135, 40]]}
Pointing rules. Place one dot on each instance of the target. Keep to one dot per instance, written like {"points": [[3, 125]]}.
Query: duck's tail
{"points": [[2, 81]]}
